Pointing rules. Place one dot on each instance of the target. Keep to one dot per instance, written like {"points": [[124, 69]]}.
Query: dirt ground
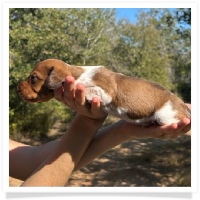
{"points": [[146, 162]]}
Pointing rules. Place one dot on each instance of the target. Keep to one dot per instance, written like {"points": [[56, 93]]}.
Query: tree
{"points": [[77, 36], [143, 50], [179, 41], [153, 48]]}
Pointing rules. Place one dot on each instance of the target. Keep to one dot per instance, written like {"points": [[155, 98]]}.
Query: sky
{"points": [[128, 13]]}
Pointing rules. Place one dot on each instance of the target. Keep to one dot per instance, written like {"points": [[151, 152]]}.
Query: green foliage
{"points": [[152, 48], [72, 35]]}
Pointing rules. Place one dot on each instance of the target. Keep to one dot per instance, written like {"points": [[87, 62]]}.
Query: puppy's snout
{"points": [[20, 90]]}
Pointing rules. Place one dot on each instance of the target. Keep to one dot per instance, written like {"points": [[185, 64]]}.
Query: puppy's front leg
{"points": [[95, 91]]}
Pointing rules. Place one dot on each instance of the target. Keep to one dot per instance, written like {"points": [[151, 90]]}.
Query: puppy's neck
{"points": [[75, 71]]}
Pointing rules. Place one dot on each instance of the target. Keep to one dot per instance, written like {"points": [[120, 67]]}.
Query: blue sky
{"points": [[128, 13]]}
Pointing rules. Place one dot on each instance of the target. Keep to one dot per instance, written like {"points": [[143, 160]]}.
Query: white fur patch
{"points": [[91, 89], [166, 115], [95, 91], [87, 75]]}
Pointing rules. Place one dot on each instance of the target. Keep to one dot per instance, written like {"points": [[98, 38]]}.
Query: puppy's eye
{"points": [[33, 79]]}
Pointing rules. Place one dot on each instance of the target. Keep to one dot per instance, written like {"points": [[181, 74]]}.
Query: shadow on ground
{"points": [[149, 162]]}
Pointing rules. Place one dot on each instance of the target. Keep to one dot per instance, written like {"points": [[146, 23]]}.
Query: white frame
{"points": [[4, 73]]}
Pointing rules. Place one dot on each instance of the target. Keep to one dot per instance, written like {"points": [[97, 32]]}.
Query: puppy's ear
{"points": [[54, 79]]}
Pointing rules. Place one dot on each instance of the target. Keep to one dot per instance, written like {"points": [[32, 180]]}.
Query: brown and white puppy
{"points": [[135, 100]]}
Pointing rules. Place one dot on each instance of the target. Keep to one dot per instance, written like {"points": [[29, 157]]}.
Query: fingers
{"points": [[74, 97], [174, 130], [95, 103], [69, 93], [184, 125], [188, 105], [80, 95], [95, 106]]}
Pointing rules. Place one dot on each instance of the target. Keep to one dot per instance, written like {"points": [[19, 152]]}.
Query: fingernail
{"points": [[69, 78], [79, 87]]}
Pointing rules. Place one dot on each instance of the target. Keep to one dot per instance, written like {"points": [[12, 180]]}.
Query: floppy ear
{"points": [[54, 79]]}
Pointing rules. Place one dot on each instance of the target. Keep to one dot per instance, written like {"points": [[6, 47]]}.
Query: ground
{"points": [[146, 162]]}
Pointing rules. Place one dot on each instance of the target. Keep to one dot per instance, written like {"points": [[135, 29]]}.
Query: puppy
{"points": [[133, 99]]}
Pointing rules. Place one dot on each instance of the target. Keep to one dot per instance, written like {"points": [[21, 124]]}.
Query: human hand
{"points": [[74, 97], [172, 131]]}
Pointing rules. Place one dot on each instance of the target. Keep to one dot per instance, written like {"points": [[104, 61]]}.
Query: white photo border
{"points": [[97, 4]]}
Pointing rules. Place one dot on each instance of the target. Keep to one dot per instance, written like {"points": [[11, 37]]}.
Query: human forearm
{"points": [[57, 167], [20, 160], [105, 139]]}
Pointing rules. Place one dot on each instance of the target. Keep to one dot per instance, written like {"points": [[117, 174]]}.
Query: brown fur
{"points": [[49, 74], [146, 94]]}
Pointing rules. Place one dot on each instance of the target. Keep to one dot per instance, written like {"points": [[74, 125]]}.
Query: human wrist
{"points": [[95, 123], [119, 132], [122, 131]]}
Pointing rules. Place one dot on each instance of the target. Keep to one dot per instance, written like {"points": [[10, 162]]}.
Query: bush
{"points": [[34, 120]]}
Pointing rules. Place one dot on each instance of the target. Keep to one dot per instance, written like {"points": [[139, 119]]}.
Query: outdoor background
{"points": [[154, 44]]}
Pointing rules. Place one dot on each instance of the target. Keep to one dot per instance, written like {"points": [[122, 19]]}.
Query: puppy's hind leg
{"points": [[166, 114]]}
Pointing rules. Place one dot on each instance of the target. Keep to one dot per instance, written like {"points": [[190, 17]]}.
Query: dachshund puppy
{"points": [[133, 99]]}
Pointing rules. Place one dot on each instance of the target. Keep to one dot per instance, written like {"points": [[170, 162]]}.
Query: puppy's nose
{"points": [[19, 90]]}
